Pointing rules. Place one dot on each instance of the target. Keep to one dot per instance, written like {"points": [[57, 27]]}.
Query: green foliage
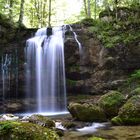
{"points": [[136, 75], [134, 79], [124, 31]]}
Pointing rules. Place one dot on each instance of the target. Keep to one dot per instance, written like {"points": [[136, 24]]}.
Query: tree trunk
{"points": [[49, 20], [11, 9], [20, 21], [95, 9], [116, 3], [85, 7], [89, 12]]}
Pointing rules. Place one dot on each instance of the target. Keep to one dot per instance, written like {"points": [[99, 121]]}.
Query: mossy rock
{"points": [[11, 130], [129, 113], [86, 112], [42, 120], [134, 92], [69, 125], [87, 22], [96, 138], [111, 103]]}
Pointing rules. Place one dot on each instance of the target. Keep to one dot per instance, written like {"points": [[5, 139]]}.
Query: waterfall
{"points": [[45, 71], [76, 39]]}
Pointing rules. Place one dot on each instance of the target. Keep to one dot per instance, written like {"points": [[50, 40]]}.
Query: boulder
{"points": [[41, 120], [129, 113], [111, 102], [86, 112], [13, 130], [9, 117]]}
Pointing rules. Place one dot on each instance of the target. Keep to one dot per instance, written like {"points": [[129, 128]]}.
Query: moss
{"points": [[86, 112], [87, 22], [134, 92], [111, 102], [42, 120], [96, 138], [125, 121], [114, 33], [25, 131], [71, 82], [129, 113], [69, 125]]}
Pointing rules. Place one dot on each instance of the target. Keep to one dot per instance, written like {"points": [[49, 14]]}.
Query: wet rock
{"points": [[111, 102], [129, 113], [86, 112], [42, 121], [8, 117]]}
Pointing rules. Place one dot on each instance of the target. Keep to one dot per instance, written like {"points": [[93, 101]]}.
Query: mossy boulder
{"points": [[12, 130], [129, 113], [86, 112], [87, 22], [42, 120], [111, 102]]}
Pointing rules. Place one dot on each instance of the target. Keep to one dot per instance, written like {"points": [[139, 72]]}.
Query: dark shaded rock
{"points": [[111, 102], [86, 112], [129, 113]]}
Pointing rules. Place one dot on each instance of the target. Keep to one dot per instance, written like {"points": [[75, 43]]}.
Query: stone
{"points": [[129, 113], [111, 103], [41, 120], [8, 117], [86, 112], [14, 130]]}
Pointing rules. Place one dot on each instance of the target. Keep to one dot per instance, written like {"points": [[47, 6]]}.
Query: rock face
{"points": [[111, 103], [86, 112], [129, 113], [99, 69]]}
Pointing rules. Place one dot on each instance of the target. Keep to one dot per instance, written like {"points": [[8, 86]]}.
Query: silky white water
{"points": [[45, 71]]}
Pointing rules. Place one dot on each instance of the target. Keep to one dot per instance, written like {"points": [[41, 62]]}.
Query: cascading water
{"points": [[9, 78], [45, 70]]}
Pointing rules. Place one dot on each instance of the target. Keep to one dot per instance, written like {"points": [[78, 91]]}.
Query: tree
{"points": [[11, 9], [95, 8], [88, 9], [49, 21], [85, 7], [20, 21]]}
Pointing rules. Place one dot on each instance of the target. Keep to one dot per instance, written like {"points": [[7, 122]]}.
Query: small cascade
{"points": [[45, 71], [5, 69], [76, 39], [9, 76]]}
